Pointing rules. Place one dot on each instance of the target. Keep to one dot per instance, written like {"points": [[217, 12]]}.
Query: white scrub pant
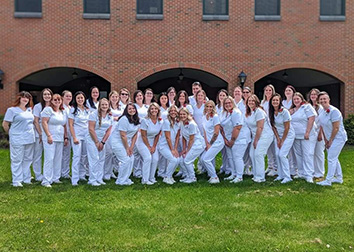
{"points": [[162, 165], [21, 159], [137, 167], [65, 164], [96, 161], [53, 154], [78, 166], [319, 161], [246, 158], [110, 161], [238, 152], [334, 167], [188, 160], [282, 157], [208, 157], [226, 167], [292, 161], [149, 162], [172, 161], [272, 163], [304, 152], [257, 155], [37, 159], [126, 164]]}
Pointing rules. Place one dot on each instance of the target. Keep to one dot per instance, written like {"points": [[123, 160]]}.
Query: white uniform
{"points": [[198, 116], [122, 105], [142, 111], [209, 155], [90, 107], [266, 138], [292, 158], [38, 146], [111, 163], [304, 149], [149, 160], [22, 138], [189, 108], [282, 153], [96, 158], [236, 153], [319, 156], [241, 106], [164, 113], [162, 166], [53, 152], [326, 120], [287, 104], [197, 148], [164, 148], [65, 164], [126, 162], [192, 100], [78, 166]]}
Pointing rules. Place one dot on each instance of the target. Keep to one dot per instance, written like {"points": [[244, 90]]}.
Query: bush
{"points": [[4, 138], [349, 127]]}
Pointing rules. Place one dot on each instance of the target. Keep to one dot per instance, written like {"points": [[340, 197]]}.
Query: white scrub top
{"points": [[21, 130], [123, 125], [192, 100], [230, 120], [241, 106], [80, 122], [265, 105], [152, 130], [67, 111], [280, 119], [142, 111], [37, 109], [257, 115], [208, 126], [164, 113], [189, 108], [106, 122], [92, 108], [166, 126], [320, 109], [300, 119], [198, 116], [56, 123], [327, 117], [122, 105], [286, 104], [192, 129]]}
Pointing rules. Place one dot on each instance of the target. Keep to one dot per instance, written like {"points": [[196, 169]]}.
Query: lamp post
{"points": [[242, 77]]}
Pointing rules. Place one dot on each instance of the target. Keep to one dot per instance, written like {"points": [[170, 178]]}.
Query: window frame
{"points": [[98, 15], [264, 17], [149, 16], [217, 17], [334, 18], [28, 14]]}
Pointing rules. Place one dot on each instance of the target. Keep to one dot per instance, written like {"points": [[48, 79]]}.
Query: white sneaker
{"points": [[183, 180], [57, 182], [272, 173], [17, 184], [258, 180], [167, 181], [147, 183], [286, 180], [47, 185], [113, 176], [153, 181], [324, 183], [74, 184], [214, 180], [278, 178], [268, 170], [309, 180], [101, 182], [232, 177], [188, 181], [95, 183], [337, 180], [236, 180]]}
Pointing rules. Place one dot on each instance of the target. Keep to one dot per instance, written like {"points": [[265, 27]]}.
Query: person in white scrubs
{"points": [[262, 136], [171, 93], [303, 121], [92, 101], [146, 145], [213, 140], [319, 156], [331, 121], [65, 165], [246, 92], [239, 102], [236, 137], [196, 86], [192, 144], [124, 98], [163, 103], [100, 125], [182, 101], [45, 98], [111, 163], [54, 138], [123, 139], [18, 123], [284, 136], [269, 91], [221, 95], [78, 126], [149, 97], [168, 143]]}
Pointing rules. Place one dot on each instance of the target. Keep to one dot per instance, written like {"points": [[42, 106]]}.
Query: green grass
{"points": [[198, 217]]}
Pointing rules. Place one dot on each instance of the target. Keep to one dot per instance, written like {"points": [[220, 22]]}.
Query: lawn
{"points": [[197, 217]]}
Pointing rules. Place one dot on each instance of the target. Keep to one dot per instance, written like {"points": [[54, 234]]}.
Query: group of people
{"points": [[116, 138]]}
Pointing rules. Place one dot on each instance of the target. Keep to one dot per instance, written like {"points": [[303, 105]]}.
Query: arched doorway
{"points": [[303, 79], [182, 79], [63, 78]]}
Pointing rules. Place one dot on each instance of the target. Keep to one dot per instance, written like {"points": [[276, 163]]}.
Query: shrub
{"points": [[349, 127], [4, 138]]}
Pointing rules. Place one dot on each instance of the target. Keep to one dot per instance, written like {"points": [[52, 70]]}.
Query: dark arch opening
{"points": [[303, 79], [63, 78], [182, 79]]}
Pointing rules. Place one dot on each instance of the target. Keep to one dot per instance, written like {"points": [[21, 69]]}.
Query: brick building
{"points": [[74, 44]]}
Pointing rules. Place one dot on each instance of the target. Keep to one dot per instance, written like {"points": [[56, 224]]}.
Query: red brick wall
{"points": [[124, 50]]}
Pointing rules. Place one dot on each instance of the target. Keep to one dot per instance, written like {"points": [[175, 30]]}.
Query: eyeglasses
{"points": [[56, 99], [125, 94], [245, 92], [149, 93]]}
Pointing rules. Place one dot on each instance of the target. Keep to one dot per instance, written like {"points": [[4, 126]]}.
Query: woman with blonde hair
{"points": [[124, 98]]}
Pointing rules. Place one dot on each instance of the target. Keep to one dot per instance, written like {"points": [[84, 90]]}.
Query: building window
{"points": [[215, 10], [332, 10], [267, 10], [28, 8], [96, 9], [149, 9]]}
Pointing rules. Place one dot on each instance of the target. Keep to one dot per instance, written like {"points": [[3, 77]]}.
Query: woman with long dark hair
{"points": [[182, 101], [18, 123], [92, 101], [163, 102]]}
